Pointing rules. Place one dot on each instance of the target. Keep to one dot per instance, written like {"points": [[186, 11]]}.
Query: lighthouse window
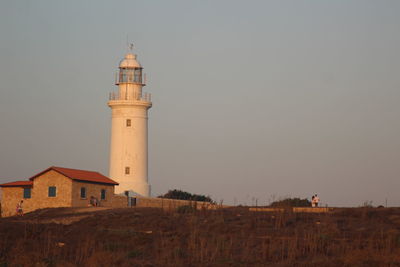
{"points": [[138, 75], [126, 75], [127, 170], [122, 76], [128, 123]]}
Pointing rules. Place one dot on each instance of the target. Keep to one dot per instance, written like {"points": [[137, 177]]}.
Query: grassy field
{"points": [[225, 237]]}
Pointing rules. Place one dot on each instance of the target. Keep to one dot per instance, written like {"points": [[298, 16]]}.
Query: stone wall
{"points": [[167, 204], [295, 209], [119, 201], [10, 198], [163, 203], [92, 189], [312, 209], [40, 191]]}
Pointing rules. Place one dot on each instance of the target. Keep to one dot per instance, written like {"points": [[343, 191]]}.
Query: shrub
{"points": [[291, 202], [179, 194]]}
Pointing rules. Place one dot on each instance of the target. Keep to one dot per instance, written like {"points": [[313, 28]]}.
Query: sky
{"points": [[253, 101]]}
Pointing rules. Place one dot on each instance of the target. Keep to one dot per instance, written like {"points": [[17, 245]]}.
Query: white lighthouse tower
{"points": [[128, 152]]}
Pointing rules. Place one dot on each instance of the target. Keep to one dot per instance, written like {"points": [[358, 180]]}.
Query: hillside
{"points": [[226, 237]]}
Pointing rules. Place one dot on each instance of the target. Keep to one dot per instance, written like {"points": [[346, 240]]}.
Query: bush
{"points": [[179, 194], [292, 202]]}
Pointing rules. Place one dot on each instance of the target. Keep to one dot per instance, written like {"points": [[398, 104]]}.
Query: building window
{"points": [[83, 192], [52, 191], [27, 192], [103, 194], [128, 123], [127, 170]]}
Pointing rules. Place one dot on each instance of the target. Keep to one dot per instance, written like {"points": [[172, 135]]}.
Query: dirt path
{"points": [[64, 216]]}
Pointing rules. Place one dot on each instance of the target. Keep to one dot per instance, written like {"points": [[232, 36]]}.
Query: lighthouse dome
{"points": [[129, 61]]}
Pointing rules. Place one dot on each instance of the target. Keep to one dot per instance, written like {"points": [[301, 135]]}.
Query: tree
{"points": [[179, 194], [291, 202]]}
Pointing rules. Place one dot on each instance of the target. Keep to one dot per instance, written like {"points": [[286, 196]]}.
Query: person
{"points": [[313, 201], [93, 201], [19, 208], [316, 200]]}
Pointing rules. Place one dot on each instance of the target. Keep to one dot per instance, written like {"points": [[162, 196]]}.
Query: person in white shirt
{"points": [[19, 208], [316, 200]]}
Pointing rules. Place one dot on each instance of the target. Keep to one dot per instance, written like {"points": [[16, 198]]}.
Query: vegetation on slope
{"points": [[291, 202], [179, 194], [226, 237]]}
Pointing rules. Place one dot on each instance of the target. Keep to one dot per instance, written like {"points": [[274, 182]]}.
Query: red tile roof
{"points": [[17, 184], [80, 175]]}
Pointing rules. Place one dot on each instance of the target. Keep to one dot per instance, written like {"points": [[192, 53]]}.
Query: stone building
{"points": [[57, 187]]}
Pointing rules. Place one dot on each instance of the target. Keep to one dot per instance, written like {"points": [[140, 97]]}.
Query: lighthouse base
{"points": [[138, 188]]}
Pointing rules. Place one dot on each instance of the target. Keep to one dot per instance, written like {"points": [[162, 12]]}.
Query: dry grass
{"points": [[226, 237]]}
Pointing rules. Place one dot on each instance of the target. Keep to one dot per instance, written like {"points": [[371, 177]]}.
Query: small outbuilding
{"points": [[57, 187]]}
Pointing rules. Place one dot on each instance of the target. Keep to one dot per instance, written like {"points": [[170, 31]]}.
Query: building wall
{"points": [[129, 146], [92, 189], [41, 186], [10, 198]]}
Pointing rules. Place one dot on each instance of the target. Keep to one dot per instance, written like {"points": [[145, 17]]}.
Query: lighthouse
{"points": [[129, 145]]}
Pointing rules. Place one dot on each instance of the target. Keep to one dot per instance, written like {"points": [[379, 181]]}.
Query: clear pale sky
{"points": [[251, 99]]}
